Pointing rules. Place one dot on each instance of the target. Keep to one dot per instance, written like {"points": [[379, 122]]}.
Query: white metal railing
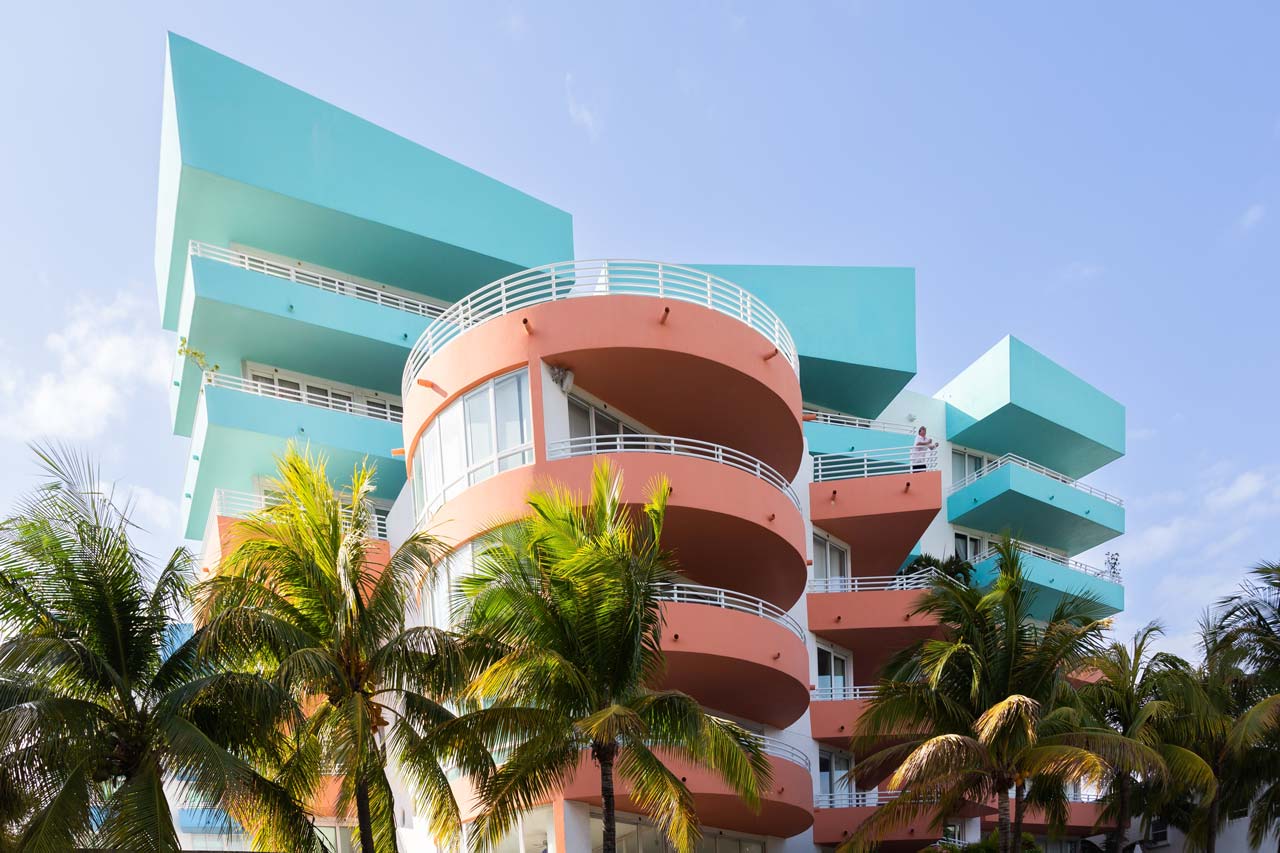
{"points": [[916, 580], [853, 799], [780, 749], [232, 504], [843, 693], [328, 283], [1083, 796], [840, 419], [1013, 459], [299, 395], [872, 463], [1036, 551], [572, 279], [592, 445], [688, 593]]}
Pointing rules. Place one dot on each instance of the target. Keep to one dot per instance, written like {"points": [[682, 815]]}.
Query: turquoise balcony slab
{"points": [[208, 821], [830, 432], [1054, 578], [247, 159], [854, 327], [1036, 506], [1015, 400], [233, 314], [238, 435]]}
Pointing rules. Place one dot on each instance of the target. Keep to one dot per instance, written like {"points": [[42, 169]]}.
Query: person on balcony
{"points": [[921, 450]]}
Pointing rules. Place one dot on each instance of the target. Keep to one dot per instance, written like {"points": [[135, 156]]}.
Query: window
{"points": [[966, 465], [951, 832], [1158, 833], [487, 430], [833, 768], [586, 420], [833, 669], [969, 547], [830, 559]]}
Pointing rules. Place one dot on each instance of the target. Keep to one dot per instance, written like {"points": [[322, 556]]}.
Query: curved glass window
{"points": [[487, 430]]}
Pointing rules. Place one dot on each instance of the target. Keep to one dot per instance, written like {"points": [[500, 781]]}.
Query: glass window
{"points": [[507, 397], [478, 410], [453, 450], [830, 560], [831, 669], [833, 767], [957, 466], [579, 419], [819, 558]]}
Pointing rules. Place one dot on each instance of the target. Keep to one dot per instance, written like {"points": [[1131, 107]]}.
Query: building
{"points": [[338, 284]]}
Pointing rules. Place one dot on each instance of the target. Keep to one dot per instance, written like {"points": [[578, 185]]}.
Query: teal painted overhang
{"points": [[854, 327], [1051, 581], [232, 314], [1015, 400], [1035, 507], [247, 159], [835, 438], [238, 436]]}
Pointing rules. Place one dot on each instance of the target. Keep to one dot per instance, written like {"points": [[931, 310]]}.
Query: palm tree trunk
{"points": [[604, 754], [364, 815], [1115, 844], [1002, 817], [1019, 809], [1211, 831]]}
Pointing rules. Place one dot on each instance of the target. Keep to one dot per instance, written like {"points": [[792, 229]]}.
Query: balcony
{"points": [[1084, 812], [716, 642], [882, 501], [1037, 504], [837, 815], [871, 616], [242, 425], [834, 712], [835, 432], [785, 810], [1053, 577], [732, 521], [1015, 400], [680, 350], [238, 306]]}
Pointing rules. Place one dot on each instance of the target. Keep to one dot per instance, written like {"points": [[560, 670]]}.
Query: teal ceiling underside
{"points": [[247, 159], [854, 327], [1052, 582], [1015, 400], [1034, 508], [238, 437]]}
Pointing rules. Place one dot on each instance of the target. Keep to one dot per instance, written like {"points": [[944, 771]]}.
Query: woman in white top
{"points": [[920, 450]]}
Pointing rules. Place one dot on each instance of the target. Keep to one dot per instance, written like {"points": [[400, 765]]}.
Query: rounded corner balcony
{"points": [[683, 351], [786, 809], [732, 521], [735, 653]]}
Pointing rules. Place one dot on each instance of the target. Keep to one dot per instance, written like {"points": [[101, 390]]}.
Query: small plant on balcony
{"points": [[198, 356], [953, 567]]}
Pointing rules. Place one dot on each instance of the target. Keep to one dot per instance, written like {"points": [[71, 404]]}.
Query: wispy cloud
{"points": [[1079, 270], [98, 361], [579, 113], [1252, 216]]}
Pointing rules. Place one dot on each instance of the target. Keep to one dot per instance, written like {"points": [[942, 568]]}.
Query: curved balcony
{"points": [[785, 810], [680, 350], [837, 815], [882, 499], [732, 521], [735, 653]]}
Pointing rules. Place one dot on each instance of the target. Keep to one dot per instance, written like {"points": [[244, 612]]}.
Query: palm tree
{"points": [[570, 595], [1231, 721], [303, 591], [955, 567], [1139, 691], [987, 710], [102, 696]]}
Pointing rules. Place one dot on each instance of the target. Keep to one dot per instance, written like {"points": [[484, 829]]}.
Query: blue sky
{"points": [[1102, 180]]}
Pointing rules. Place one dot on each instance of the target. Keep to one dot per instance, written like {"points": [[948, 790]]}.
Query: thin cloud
{"points": [[104, 356], [1252, 216], [579, 113]]}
